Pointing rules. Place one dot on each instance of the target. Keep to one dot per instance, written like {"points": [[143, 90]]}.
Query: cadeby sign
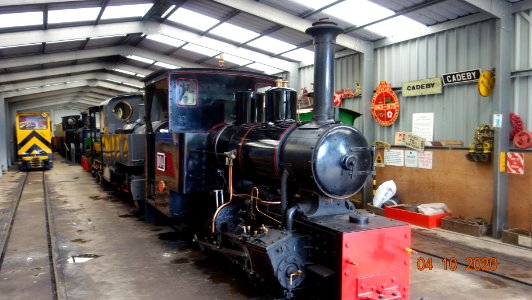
{"points": [[461, 77], [422, 87]]}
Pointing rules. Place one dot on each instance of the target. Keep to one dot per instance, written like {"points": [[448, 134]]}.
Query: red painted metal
{"points": [[376, 263]]}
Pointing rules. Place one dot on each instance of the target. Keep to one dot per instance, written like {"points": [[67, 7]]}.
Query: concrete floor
{"points": [[135, 260]]}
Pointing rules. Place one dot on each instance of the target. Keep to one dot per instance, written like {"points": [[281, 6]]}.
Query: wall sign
{"points": [[425, 160], [423, 125], [411, 158], [515, 163], [486, 83], [422, 87], [413, 141], [385, 104], [394, 157], [461, 77]]}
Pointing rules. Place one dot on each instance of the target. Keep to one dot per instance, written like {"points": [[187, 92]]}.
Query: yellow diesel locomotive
{"points": [[34, 141]]}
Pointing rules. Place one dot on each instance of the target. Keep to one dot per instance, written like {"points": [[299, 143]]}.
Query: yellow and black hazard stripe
{"points": [[34, 143]]}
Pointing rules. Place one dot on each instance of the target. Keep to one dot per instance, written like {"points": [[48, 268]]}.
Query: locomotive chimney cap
{"points": [[322, 26]]}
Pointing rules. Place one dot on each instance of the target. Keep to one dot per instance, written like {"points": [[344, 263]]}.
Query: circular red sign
{"points": [[385, 105]]}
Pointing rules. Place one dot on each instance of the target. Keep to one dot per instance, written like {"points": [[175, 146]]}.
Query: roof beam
{"points": [[206, 41], [78, 32], [80, 106], [92, 53], [496, 8], [48, 94], [521, 6], [463, 21], [64, 79], [47, 72], [288, 20], [82, 83]]}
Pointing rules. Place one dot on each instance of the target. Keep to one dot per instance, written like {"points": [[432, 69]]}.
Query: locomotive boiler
{"points": [[227, 156]]}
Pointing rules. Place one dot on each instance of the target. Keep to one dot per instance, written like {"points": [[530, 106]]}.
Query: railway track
{"points": [[28, 265]]}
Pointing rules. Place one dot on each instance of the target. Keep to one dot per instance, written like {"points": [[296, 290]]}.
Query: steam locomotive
{"points": [[223, 151]]}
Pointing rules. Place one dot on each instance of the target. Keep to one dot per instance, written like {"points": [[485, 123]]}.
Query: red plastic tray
{"points": [[395, 212]]}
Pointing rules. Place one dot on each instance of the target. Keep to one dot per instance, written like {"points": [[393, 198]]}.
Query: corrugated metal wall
{"points": [[460, 108], [522, 61]]}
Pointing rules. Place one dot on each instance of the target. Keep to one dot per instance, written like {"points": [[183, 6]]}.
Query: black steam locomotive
{"points": [[225, 153]]}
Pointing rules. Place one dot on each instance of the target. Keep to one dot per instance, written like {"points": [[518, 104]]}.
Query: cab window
{"points": [[32, 122], [186, 92]]}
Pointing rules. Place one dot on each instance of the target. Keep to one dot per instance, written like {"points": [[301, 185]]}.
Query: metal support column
{"points": [[3, 138], [504, 31], [367, 93]]}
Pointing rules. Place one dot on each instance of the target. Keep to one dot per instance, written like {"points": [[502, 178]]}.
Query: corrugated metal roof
{"points": [[431, 12]]}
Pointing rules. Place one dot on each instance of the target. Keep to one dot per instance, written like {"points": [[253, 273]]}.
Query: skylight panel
{"points": [[236, 60], [140, 75], [124, 71], [264, 68], [140, 58], [166, 40], [200, 49], [358, 12], [192, 19], [126, 11], [21, 19], [73, 15], [271, 45], [165, 65], [300, 54], [398, 26], [233, 32]]}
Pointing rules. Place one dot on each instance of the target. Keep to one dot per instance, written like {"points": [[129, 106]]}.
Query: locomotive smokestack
{"points": [[324, 33]]}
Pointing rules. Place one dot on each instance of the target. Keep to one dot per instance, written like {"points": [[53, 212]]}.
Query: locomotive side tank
{"points": [[123, 143]]}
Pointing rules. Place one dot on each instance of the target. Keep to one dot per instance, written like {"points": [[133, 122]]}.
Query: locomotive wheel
{"points": [[523, 139]]}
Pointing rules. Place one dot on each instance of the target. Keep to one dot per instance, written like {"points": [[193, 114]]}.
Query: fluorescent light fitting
{"points": [[133, 85], [161, 38], [165, 65], [200, 49], [126, 11], [168, 11], [21, 19], [20, 45], [124, 71], [105, 36], [233, 32], [236, 60], [300, 55], [114, 81], [65, 41], [73, 15], [192, 19], [140, 58], [140, 75], [358, 12], [271, 45]]}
